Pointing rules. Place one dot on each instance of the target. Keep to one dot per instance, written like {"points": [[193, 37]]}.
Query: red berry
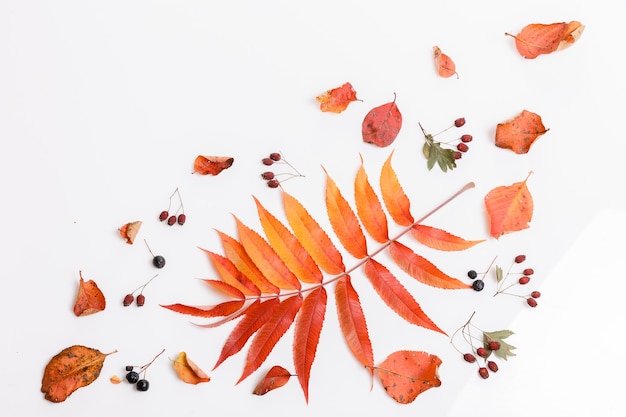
{"points": [[469, 358], [494, 345], [267, 175], [483, 372], [128, 300], [267, 161], [141, 299], [171, 220], [531, 302], [275, 156], [164, 215], [482, 352], [462, 147], [493, 367], [458, 155], [182, 218], [273, 183], [528, 271], [466, 138], [524, 280], [535, 294], [459, 122], [520, 258]]}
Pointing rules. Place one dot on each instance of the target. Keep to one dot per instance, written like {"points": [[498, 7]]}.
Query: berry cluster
{"points": [[138, 376], [524, 279], [446, 153], [271, 177], [479, 283], [483, 347], [141, 299], [176, 217]]}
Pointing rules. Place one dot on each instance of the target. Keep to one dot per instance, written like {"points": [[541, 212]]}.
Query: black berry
{"points": [[164, 215], [129, 368], [472, 274], [132, 377], [478, 285], [143, 385], [158, 261]]}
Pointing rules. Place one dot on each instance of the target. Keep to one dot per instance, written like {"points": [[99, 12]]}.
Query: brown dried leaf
{"points": [[188, 371], [129, 231], [89, 299], [212, 165]]}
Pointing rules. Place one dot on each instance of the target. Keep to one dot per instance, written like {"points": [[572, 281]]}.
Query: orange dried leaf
{"points": [[510, 208], [396, 201], [440, 239], [396, 296], [422, 269], [224, 288], [444, 64], [313, 238], [369, 208], [382, 124], [405, 374], [212, 165], [537, 39], [89, 299], [337, 99], [188, 371], [519, 133], [129, 231], [219, 310], [72, 368], [352, 322], [275, 378]]}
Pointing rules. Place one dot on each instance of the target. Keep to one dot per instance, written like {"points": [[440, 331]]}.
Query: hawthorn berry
{"points": [[462, 147], [128, 300], [535, 294], [275, 156], [458, 155], [520, 258], [141, 300], [182, 218], [472, 274], [143, 385], [171, 220], [494, 345], [469, 358], [267, 161], [164, 215], [459, 122], [531, 302], [466, 138], [267, 175], [483, 372], [482, 352], [132, 377], [478, 285], [273, 183], [524, 280], [493, 367], [528, 271]]}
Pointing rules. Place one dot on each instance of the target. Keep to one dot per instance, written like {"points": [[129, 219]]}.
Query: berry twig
{"points": [[141, 299], [524, 279], [138, 376], [272, 177], [445, 154]]}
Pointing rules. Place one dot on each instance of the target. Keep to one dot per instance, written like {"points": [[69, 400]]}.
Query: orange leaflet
{"points": [[369, 208], [270, 333], [266, 259], [422, 269], [219, 310], [337, 99], [382, 124], [231, 275], [89, 299], [307, 335], [236, 253], [254, 317], [188, 371], [288, 248], [225, 288], [510, 208], [440, 239], [212, 165], [129, 231], [405, 374], [352, 322], [275, 378], [72, 368], [344, 221], [537, 39], [519, 133], [444, 64], [396, 201], [393, 293], [313, 238]]}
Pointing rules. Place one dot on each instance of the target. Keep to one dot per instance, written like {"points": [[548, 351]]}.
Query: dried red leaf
{"points": [[72, 368], [537, 38], [382, 124], [188, 371], [129, 231], [212, 165], [405, 374], [337, 99], [518, 134], [444, 64], [510, 208], [275, 378], [89, 299]]}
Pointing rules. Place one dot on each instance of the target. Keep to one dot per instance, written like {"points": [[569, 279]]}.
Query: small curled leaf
{"points": [[275, 378], [188, 371]]}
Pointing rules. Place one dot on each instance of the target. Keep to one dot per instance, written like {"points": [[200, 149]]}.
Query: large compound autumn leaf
{"points": [[510, 208], [274, 280]]}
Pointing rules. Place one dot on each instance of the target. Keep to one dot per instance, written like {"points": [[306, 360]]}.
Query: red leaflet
{"points": [[270, 333], [275, 378], [352, 322], [396, 201], [223, 309], [440, 239], [382, 124], [231, 275], [344, 221], [422, 269], [393, 293], [307, 335], [313, 238], [369, 208]]}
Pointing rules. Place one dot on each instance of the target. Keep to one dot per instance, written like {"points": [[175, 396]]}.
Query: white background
{"points": [[105, 105]]}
